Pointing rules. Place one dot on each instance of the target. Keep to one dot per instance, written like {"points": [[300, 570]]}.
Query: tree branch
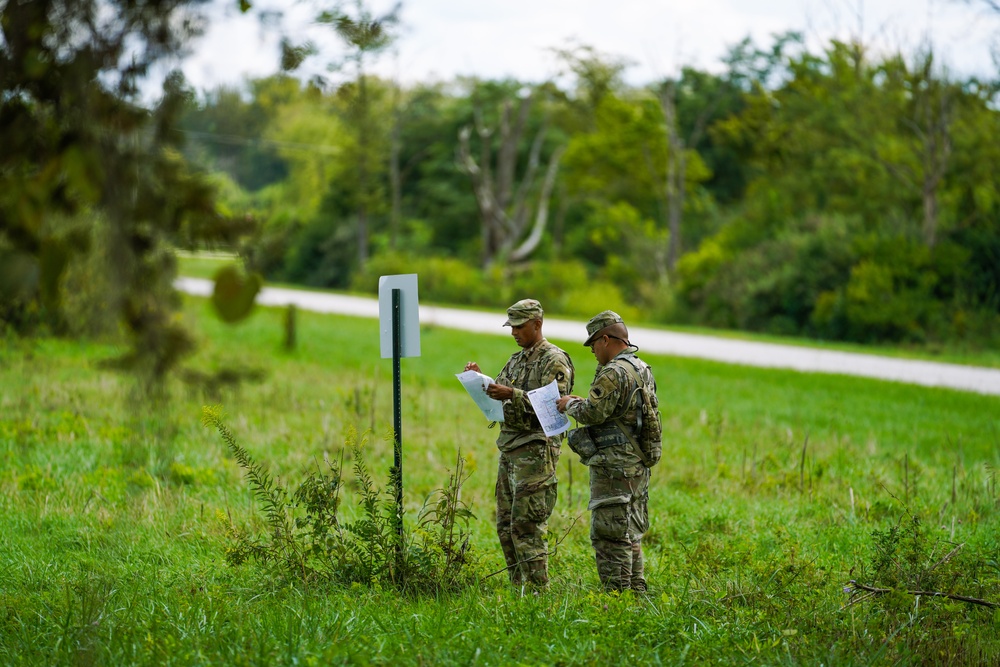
{"points": [[871, 591], [541, 217], [528, 560]]}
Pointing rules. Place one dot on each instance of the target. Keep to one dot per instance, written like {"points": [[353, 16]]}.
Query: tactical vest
{"points": [[525, 373], [608, 434]]}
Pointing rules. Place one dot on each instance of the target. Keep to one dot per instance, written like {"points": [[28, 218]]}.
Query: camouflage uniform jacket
{"points": [[612, 396], [531, 368]]}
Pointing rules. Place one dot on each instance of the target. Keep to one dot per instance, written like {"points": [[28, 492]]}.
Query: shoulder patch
{"points": [[602, 386]]}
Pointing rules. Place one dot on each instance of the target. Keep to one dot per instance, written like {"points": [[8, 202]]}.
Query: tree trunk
{"points": [[503, 201], [395, 176], [676, 175]]}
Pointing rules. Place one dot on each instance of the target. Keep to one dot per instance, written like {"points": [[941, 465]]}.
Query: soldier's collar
{"points": [[529, 350]]}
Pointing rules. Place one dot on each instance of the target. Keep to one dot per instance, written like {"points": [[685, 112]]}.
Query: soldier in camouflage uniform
{"points": [[526, 474], [619, 478]]}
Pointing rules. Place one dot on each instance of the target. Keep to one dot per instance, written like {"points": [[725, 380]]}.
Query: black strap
{"points": [[635, 445], [639, 384]]}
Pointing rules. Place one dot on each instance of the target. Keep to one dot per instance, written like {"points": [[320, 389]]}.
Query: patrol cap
{"points": [[523, 311], [599, 322]]}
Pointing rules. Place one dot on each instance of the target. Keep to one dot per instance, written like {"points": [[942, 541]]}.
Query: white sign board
{"points": [[409, 315]]}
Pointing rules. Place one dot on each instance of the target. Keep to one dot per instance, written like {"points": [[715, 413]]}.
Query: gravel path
{"points": [[769, 355]]}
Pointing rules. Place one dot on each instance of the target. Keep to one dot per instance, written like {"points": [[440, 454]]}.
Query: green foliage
{"points": [[307, 540], [443, 521], [95, 186], [929, 586], [223, 131], [283, 547], [235, 293], [322, 254], [905, 556], [773, 285], [442, 279], [839, 193], [826, 277], [897, 271]]}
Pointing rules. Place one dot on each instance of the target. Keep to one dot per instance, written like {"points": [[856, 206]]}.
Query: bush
{"points": [[825, 278], [323, 254], [308, 539], [441, 279], [772, 285], [890, 295]]}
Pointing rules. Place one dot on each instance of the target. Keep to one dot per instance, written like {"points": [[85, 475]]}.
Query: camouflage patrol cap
{"points": [[599, 322], [523, 311]]}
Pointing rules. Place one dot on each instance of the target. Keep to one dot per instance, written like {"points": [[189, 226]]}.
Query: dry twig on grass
{"points": [[554, 550], [855, 588]]}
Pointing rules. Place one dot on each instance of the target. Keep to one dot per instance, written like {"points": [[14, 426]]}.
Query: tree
{"points": [[680, 148], [366, 36], [84, 165], [928, 101], [437, 203], [871, 200], [223, 131], [506, 201], [598, 75]]}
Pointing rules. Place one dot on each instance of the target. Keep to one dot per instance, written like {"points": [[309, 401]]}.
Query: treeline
{"points": [[844, 195]]}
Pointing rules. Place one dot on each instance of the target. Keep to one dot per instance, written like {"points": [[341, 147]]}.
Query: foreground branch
{"points": [[853, 587], [528, 560]]}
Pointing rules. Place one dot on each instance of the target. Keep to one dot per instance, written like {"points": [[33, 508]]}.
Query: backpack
{"points": [[649, 431]]}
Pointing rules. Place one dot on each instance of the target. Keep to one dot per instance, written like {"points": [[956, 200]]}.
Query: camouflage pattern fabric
{"points": [[526, 494], [619, 482], [619, 517], [528, 369], [609, 398], [526, 476]]}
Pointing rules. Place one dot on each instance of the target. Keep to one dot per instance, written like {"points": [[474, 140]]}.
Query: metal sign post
{"points": [[396, 474], [399, 324]]}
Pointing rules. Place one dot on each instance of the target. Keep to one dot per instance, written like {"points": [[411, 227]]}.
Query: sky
{"points": [[441, 39]]}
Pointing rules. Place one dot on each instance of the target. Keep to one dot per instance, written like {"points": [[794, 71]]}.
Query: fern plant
{"points": [[308, 539], [273, 498]]}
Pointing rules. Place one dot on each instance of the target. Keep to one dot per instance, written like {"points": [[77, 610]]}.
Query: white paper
{"points": [[543, 400], [476, 384]]}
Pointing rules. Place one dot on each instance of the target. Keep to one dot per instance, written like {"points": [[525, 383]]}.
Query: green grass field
{"points": [[115, 512]]}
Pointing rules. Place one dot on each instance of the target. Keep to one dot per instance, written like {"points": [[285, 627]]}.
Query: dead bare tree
{"points": [[505, 204]]}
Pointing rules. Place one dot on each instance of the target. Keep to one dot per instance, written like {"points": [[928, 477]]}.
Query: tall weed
{"points": [[308, 539]]}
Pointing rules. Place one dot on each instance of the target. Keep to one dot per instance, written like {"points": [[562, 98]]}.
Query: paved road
{"points": [[769, 355]]}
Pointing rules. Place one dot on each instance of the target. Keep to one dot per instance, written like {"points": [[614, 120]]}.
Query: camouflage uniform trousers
{"points": [[526, 494], [619, 518]]}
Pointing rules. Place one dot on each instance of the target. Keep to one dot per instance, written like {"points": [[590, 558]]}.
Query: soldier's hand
{"points": [[564, 401], [500, 392], [472, 366]]}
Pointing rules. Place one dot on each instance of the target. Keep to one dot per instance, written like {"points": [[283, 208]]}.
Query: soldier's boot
{"points": [[613, 566], [537, 571], [638, 582], [515, 573], [510, 555]]}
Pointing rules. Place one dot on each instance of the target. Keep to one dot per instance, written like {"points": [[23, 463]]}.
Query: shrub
{"points": [[442, 279], [772, 285], [323, 254], [308, 539]]}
